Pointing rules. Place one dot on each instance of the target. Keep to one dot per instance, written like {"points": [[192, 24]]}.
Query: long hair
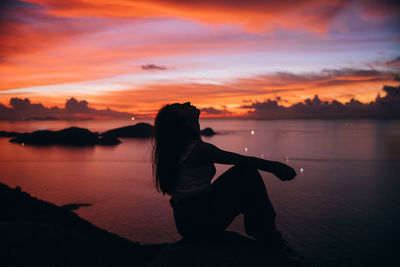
{"points": [[171, 135]]}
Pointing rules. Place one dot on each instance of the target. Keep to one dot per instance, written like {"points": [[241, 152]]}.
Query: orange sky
{"points": [[213, 54]]}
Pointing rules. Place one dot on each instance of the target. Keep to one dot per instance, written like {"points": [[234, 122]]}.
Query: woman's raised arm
{"points": [[216, 155]]}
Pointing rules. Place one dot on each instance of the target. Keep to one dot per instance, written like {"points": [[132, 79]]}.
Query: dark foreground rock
{"points": [[37, 233], [75, 206], [207, 132], [73, 136], [229, 249], [139, 130]]}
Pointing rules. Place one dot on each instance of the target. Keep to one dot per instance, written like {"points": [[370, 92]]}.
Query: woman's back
{"points": [[194, 176]]}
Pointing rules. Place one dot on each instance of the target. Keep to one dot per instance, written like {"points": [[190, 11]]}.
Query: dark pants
{"points": [[238, 190]]}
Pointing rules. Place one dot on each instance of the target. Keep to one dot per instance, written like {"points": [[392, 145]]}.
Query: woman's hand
{"points": [[212, 153], [284, 172]]}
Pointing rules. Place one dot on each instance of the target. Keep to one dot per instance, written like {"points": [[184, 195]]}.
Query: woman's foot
{"points": [[276, 243]]}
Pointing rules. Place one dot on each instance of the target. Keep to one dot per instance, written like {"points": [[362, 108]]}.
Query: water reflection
{"points": [[347, 197]]}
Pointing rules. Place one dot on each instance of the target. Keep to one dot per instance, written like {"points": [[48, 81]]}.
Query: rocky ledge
{"points": [[37, 233], [228, 249]]}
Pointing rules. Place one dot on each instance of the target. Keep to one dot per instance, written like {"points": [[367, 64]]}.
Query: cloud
{"points": [[74, 106], [153, 67], [381, 108], [394, 62], [361, 82], [380, 8], [23, 109], [310, 108], [40, 48], [291, 87], [327, 76], [254, 15], [214, 112], [27, 28], [49, 42]]}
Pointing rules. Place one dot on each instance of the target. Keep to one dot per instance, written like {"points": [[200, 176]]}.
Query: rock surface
{"points": [[229, 249], [75, 206], [37, 233]]}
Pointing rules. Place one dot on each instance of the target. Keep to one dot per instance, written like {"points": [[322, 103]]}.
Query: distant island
{"points": [[75, 136], [139, 130]]}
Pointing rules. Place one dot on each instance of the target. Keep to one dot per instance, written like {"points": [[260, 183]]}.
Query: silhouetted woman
{"points": [[183, 166]]}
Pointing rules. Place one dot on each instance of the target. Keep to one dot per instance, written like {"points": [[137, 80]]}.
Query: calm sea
{"points": [[342, 209]]}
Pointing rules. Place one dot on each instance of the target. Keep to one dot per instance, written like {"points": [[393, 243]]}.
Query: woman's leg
{"points": [[242, 190]]}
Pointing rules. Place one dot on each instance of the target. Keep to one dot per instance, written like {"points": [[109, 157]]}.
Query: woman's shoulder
{"points": [[204, 147], [200, 152]]}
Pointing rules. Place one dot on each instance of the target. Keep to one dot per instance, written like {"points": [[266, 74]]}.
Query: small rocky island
{"points": [[207, 132], [75, 136], [37, 233], [139, 130], [144, 130]]}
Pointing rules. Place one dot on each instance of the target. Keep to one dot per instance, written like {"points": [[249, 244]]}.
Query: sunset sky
{"points": [[135, 56]]}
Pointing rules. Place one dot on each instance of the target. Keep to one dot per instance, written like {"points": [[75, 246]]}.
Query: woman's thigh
{"points": [[227, 197], [195, 219], [213, 211]]}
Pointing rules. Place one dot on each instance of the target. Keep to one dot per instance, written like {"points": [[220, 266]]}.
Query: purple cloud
{"points": [[382, 108], [214, 111], [23, 109], [153, 67]]}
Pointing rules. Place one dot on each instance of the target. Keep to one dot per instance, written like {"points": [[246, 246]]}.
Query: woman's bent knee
{"points": [[239, 178], [244, 175], [244, 171]]}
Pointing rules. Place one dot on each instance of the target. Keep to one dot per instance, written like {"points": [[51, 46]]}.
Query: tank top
{"points": [[192, 179]]}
